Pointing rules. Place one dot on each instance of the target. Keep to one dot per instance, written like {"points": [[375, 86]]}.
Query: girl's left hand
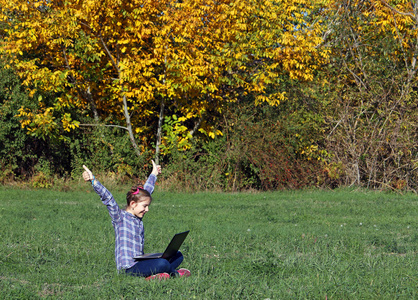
{"points": [[156, 169], [87, 175]]}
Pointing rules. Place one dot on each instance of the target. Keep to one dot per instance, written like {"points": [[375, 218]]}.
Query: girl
{"points": [[129, 230]]}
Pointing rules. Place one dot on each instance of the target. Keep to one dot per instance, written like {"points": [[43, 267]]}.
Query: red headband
{"points": [[137, 191]]}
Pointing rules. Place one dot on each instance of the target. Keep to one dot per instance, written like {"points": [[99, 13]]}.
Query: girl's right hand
{"points": [[87, 174]]}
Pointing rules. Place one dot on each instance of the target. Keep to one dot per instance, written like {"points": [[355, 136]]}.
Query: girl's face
{"points": [[140, 208]]}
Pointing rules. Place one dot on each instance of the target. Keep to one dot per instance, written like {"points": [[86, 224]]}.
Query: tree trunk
{"points": [[129, 126], [159, 133], [93, 105], [196, 126]]}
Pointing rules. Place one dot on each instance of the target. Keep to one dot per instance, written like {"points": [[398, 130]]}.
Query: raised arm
{"points": [[105, 195], [150, 183]]}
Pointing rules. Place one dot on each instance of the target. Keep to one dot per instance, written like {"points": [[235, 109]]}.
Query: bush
{"points": [[15, 145], [260, 149]]}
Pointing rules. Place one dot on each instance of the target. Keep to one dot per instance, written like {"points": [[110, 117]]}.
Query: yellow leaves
{"points": [[185, 52], [397, 20], [312, 152], [211, 132], [273, 99], [68, 123], [140, 129], [25, 117], [38, 4], [124, 41], [41, 125]]}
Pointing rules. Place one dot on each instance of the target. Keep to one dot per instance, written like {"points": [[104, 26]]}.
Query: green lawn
{"points": [[279, 245]]}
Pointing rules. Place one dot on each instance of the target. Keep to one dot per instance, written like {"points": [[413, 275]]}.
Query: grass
{"points": [[277, 245]]}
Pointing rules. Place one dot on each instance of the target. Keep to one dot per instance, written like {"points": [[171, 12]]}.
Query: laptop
{"points": [[171, 249]]}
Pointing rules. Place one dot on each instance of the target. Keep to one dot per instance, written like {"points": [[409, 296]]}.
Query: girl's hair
{"points": [[137, 194]]}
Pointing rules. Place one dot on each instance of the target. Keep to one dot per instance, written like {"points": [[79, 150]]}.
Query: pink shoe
{"points": [[183, 273], [159, 276]]}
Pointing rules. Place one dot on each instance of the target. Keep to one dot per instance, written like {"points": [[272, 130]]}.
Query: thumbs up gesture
{"points": [[156, 169], [87, 174]]}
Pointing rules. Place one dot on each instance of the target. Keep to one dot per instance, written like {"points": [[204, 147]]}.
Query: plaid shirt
{"points": [[129, 229]]}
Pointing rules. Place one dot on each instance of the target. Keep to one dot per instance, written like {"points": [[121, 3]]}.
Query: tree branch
{"points": [[397, 11], [96, 125], [114, 64]]}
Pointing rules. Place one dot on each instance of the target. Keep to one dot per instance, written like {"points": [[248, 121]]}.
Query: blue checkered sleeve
{"points": [[150, 183], [108, 200]]}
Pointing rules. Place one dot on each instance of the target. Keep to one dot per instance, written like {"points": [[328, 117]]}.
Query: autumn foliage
{"points": [[127, 58], [169, 74]]}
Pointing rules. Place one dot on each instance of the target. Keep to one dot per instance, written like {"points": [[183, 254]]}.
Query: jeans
{"points": [[148, 267]]}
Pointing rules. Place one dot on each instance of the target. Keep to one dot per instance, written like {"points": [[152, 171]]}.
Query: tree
{"points": [[373, 124], [138, 61]]}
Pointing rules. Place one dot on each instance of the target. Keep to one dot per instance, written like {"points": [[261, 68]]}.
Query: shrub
{"points": [[260, 149]]}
